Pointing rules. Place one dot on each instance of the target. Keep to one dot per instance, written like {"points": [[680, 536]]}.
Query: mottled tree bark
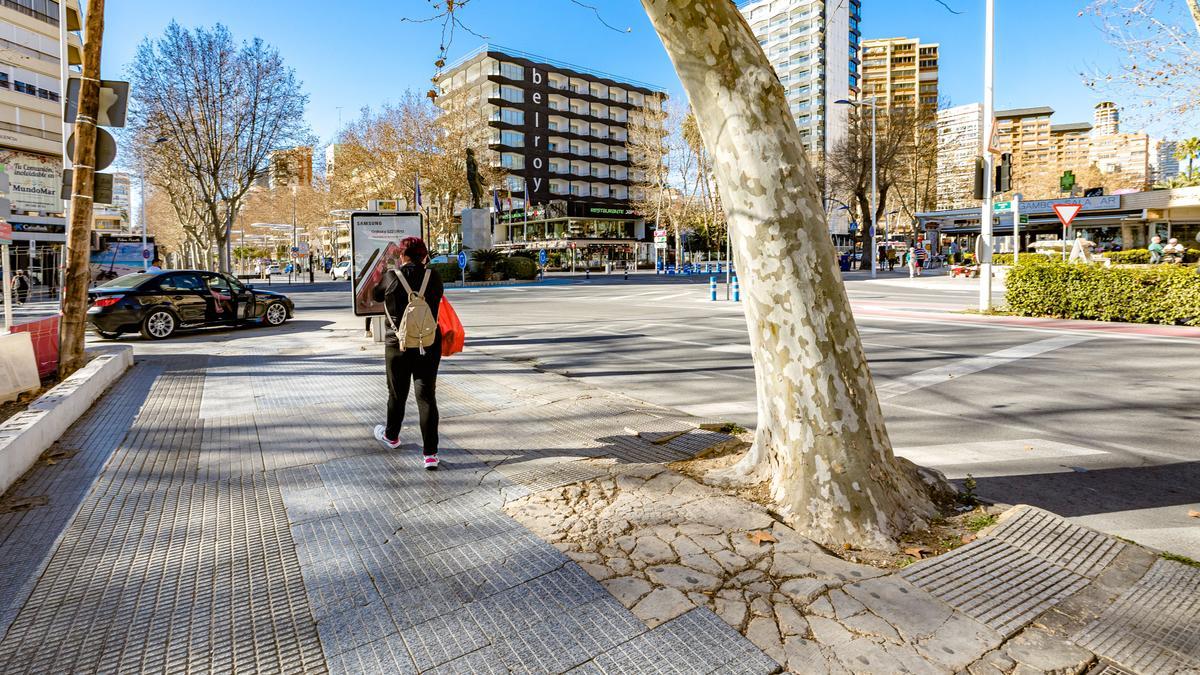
{"points": [[821, 437]]}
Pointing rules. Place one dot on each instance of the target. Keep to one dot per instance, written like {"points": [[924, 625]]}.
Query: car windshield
{"points": [[128, 281]]}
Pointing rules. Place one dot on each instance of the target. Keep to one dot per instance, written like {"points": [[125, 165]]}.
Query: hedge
{"points": [[1166, 294], [1141, 256], [448, 271], [519, 267]]}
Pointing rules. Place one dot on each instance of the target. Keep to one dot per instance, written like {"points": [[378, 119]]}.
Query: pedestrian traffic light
{"points": [[1004, 173], [979, 178]]}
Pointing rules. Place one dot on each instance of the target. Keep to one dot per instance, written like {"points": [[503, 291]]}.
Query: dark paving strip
{"points": [[170, 565]]}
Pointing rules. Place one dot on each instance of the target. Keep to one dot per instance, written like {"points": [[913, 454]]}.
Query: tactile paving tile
{"points": [[697, 441], [658, 429], [1107, 668], [1049, 537], [697, 642], [996, 583], [1152, 627]]}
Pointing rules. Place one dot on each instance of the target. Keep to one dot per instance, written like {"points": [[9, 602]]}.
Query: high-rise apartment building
{"points": [[39, 46], [814, 47], [960, 141], [1107, 119], [562, 134], [1125, 154], [1164, 165], [901, 72], [1072, 145]]}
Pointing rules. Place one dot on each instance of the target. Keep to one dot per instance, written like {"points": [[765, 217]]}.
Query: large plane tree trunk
{"points": [[821, 437]]}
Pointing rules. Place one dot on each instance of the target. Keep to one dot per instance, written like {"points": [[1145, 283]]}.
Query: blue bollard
{"points": [[712, 288], [737, 291]]}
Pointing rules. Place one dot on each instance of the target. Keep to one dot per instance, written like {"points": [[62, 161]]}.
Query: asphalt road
{"points": [[1096, 426]]}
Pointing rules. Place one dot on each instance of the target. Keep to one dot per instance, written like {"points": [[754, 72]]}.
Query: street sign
{"points": [[114, 100], [660, 233], [102, 188], [1066, 212], [1024, 220], [542, 257], [146, 252], [572, 244], [106, 149], [5, 232], [462, 260], [1002, 207]]}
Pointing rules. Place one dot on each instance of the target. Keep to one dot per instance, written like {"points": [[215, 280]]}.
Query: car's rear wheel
{"points": [[159, 324], [107, 334], [276, 314]]}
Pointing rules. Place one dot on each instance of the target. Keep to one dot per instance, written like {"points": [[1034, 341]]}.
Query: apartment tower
{"points": [[960, 141], [901, 72]]}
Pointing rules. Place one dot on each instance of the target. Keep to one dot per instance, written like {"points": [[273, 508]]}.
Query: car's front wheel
{"points": [[276, 314], [159, 324]]}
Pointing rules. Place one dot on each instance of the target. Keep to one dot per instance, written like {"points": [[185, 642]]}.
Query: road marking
{"points": [[992, 452], [933, 376], [731, 349]]}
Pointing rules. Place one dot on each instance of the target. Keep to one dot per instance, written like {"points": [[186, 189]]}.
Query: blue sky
{"points": [[356, 53]]}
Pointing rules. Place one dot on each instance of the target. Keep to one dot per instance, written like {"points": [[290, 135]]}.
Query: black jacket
{"points": [[391, 293]]}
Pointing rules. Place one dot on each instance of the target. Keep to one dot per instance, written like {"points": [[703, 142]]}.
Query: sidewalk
{"points": [[225, 509]]}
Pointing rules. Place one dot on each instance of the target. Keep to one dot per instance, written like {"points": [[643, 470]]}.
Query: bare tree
{"points": [[222, 108], [852, 163], [821, 438], [1160, 55]]}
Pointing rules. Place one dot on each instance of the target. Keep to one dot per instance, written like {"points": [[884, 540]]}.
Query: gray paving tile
{"points": [[443, 639]]}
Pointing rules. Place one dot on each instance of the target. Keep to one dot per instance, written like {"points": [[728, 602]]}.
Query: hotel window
{"points": [[512, 94], [512, 116], [512, 71], [514, 139], [511, 160], [514, 184]]}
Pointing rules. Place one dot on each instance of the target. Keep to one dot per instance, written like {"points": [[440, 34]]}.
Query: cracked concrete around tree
{"points": [[663, 544]]}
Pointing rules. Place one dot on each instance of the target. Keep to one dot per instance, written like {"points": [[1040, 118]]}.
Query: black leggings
{"points": [[409, 365]]}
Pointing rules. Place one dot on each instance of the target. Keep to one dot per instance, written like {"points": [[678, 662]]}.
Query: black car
{"points": [[159, 303]]}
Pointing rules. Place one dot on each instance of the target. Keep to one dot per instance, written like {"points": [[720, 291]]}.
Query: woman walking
{"points": [[411, 296]]}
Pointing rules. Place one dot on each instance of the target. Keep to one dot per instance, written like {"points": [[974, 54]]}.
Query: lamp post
{"points": [[295, 242], [874, 178], [985, 220], [142, 211]]}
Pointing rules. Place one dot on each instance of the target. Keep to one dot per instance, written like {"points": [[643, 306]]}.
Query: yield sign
{"points": [[1067, 212]]}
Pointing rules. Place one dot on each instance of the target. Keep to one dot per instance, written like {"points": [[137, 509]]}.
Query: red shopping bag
{"points": [[454, 337]]}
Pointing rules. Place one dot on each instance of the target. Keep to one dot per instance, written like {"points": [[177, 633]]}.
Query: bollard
{"points": [[587, 273], [712, 288], [737, 291]]}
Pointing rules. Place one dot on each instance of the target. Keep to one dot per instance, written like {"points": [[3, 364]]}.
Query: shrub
{"points": [[1133, 256], [1167, 294], [449, 272], [1002, 258], [488, 259], [519, 267]]}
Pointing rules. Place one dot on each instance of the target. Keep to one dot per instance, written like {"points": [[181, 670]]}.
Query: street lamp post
{"points": [[985, 221], [295, 242], [874, 180]]}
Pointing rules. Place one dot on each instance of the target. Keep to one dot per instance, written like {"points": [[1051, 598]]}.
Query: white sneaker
{"points": [[431, 463], [381, 436]]}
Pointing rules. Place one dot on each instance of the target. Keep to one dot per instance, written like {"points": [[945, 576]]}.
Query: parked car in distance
{"points": [[273, 269], [158, 304], [341, 270], [440, 259]]}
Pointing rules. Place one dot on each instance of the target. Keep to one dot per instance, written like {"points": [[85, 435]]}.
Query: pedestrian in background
{"points": [[20, 287], [910, 259], [406, 364], [1156, 250]]}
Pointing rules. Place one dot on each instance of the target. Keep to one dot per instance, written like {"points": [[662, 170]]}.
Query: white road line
{"points": [[731, 349], [933, 376]]}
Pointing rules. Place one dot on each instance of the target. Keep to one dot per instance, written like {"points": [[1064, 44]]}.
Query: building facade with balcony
{"points": [[901, 72], [561, 135], [960, 141], [39, 44], [814, 47]]}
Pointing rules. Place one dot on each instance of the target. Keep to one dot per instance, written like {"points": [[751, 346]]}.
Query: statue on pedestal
{"points": [[474, 181]]}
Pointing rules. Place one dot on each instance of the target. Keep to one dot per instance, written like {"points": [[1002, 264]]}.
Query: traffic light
{"points": [[1004, 173], [978, 178]]}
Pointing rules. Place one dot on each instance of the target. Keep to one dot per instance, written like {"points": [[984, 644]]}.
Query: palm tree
{"points": [[1189, 150]]}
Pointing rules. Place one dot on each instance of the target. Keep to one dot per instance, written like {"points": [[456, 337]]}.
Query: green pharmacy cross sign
{"points": [[1067, 182]]}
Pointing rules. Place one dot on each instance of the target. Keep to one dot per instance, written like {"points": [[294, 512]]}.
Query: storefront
{"points": [[1114, 222], [589, 234], [38, 248]]}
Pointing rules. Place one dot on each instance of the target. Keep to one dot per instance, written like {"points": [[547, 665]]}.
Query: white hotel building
{"points": [[814, 47]]}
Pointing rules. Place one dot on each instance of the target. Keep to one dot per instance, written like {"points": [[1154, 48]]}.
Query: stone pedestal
{"points": [[477, 229]]}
